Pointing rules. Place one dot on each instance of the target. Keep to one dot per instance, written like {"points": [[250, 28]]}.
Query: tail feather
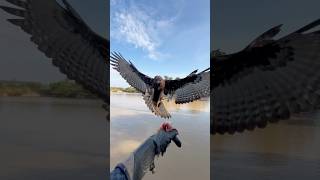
{"points": [[157, 109]]}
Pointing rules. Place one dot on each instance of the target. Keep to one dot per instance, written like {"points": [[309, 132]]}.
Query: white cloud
{"points": [[135, 31], [141, 28]]}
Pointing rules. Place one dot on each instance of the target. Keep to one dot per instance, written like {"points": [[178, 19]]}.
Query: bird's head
{"points": [[158, 82], [158, 79]]}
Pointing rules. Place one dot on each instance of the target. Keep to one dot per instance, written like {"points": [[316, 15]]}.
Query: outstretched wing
{"points": [[130, 73], [64, 37], [267, 81], [190, 88]]}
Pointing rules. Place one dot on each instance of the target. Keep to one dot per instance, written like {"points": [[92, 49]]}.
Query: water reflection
{"points": [[287, 150], [132, 123]]}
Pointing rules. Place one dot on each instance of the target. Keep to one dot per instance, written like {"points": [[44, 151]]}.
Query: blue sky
{"points": [[167, 37]]}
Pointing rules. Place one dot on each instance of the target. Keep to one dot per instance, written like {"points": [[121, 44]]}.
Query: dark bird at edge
{"points": [[267, 81]]}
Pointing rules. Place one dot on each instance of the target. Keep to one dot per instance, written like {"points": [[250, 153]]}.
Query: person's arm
{"points": [[118, 174], [142, 159]]}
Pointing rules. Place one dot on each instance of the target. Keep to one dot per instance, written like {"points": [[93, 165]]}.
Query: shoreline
{"points": [[48, 96]]}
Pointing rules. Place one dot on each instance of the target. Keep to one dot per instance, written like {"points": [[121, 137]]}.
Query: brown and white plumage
{"points": [[185, 90], [267, 81], [61, 34]]}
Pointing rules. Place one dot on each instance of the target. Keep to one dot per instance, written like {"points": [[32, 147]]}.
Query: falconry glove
{"points": [[142, 159]]}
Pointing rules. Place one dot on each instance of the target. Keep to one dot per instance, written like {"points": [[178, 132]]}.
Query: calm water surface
{"points": [[49, 139], [287, 150], [132, 123]]}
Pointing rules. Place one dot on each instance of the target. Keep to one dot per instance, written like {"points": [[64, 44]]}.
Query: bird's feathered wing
{"points": [[190, 88], [130, 73], [139, 81], [64, 37], [267, 81]]}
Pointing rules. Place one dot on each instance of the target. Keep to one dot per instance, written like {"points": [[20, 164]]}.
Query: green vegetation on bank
{"points": [[124, 90], [133, 90], [64, 88]]}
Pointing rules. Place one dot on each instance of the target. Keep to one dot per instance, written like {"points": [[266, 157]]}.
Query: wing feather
{"points": [[127, 70], [64, 37], [264, 84], [190, 88]]}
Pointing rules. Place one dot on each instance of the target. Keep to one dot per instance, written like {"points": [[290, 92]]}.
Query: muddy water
{"points": [[48, 138], [132, 123], [287, 150]]}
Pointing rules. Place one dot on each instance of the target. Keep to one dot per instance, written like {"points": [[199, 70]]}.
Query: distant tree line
{"points": [[170, 78], [131, 89], [65, 88], [126, 90]]}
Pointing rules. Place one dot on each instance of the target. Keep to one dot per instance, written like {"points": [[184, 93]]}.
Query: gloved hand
{"points": [[163, 138], [142, 159]]}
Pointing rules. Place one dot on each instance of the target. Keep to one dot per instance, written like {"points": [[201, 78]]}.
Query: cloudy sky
{"points": [[167, 37]]}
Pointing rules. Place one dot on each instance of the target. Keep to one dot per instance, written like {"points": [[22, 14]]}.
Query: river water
{"points": [[49, 138], [132, 123], [286, 150]]}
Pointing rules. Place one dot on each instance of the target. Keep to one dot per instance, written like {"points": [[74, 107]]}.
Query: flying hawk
{"points": [[267, 81], [193, 87], [64, 37]]}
